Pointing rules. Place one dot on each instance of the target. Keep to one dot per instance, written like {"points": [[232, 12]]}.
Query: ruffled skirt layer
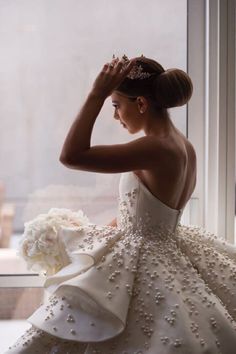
{"points": [[126, 292]]}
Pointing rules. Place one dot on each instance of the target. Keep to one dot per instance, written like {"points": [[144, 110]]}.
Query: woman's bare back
{"points": [[174, 178]]}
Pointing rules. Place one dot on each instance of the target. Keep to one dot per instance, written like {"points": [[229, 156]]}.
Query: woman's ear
{"points": [[142, 104]]}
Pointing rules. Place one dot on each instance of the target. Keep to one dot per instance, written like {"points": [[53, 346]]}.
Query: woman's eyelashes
{"points": [[116, 113]]}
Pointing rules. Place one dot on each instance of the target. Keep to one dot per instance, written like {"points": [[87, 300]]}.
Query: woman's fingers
{"points": [[113, 73], [126, 69], [119, 66], [105, 67], [130, 66]]}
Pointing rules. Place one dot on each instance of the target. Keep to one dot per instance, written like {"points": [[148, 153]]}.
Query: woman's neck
{"points": [[159, 124]]}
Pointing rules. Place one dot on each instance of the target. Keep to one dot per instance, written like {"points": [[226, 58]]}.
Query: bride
{"points": [[144, 283]]}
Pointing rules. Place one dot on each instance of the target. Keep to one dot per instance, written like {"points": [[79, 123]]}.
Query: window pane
{"points": [[50, 54]]}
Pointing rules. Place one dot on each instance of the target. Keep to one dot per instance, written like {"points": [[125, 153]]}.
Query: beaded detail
{"points": [[156, 286]]}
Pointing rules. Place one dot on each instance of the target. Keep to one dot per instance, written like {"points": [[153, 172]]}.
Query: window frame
{"points": [[211, 127]]}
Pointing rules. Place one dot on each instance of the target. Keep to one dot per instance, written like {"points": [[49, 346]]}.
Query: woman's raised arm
{"points": [[78, 139], [77, 152]]}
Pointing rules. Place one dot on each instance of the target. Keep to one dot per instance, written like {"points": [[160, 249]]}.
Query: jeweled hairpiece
{"points": [[136, 73]]}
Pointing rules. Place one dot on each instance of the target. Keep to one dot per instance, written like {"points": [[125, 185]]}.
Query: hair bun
{"points": [[173, 88]]}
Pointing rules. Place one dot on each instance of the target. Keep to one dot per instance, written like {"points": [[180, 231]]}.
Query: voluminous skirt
{"points": [[126, 292]]}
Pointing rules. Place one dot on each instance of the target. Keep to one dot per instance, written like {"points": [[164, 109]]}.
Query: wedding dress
{"points": [[148, 286]]}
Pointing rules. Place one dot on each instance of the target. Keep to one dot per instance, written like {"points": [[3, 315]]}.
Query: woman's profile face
{"points": [[126, 111]]}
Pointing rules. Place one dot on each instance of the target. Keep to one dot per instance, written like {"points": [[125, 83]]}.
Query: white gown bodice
{"points": [[140, 209]]}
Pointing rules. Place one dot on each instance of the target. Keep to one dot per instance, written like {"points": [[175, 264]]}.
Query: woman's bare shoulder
{"points": [[188, 146], [191, 150]]}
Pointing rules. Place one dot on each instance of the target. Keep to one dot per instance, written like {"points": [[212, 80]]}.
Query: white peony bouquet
{"points": [[41, 246]]}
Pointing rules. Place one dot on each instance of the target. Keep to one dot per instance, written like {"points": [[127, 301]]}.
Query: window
{"points": [[211, 122], [51, 53]]}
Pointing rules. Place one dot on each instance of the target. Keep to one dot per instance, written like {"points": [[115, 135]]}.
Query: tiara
{"points": [[136, 72]]}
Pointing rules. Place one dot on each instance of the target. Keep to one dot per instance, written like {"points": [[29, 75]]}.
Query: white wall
{"points": [[51, 51]]}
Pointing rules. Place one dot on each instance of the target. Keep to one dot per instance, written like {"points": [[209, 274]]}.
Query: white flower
{"points": [[40, 245]]}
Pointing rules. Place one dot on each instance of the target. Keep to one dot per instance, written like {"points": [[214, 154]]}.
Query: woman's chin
{"points": [[131, 131]]}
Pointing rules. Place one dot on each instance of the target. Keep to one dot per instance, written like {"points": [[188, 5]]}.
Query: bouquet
{"points": [[41, 246]]}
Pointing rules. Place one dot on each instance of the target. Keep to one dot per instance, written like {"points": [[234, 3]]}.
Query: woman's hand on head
{"points": [[110, 77]]}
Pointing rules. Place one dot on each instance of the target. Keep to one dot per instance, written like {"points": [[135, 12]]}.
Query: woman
{"points": [[148, 284]]}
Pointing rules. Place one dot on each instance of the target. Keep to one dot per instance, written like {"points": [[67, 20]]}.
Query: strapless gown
{"points": [[148, 286]]}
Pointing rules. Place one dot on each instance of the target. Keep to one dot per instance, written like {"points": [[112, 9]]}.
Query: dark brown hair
{"points": [[164, 88]]}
